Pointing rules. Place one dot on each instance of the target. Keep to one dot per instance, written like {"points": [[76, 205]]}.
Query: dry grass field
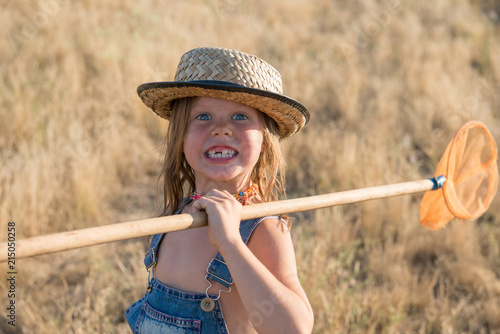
{"points": [[388, 84]]}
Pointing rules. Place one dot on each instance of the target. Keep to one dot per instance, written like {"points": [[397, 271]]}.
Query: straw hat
{"points": [[231, 75]]}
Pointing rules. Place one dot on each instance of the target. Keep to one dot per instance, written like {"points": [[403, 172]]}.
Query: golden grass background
{"points": [[388, 84]]}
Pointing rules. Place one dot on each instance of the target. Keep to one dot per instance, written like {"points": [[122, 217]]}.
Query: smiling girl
{"points": [[227, 115]]}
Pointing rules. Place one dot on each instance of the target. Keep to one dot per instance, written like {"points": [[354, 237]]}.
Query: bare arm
{"points": [[264, 272], [266, 277]]}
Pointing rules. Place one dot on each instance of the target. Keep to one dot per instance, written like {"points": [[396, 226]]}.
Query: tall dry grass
{"points": [[388, 83]]}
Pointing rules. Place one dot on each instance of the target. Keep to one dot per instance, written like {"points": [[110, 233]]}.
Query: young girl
{"points": [[227, 115]]}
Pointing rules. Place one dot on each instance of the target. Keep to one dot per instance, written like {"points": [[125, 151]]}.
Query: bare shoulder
{"points": [[271, 243]]}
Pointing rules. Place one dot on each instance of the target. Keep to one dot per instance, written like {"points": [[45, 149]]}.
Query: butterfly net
{"points": [[470, 167]]}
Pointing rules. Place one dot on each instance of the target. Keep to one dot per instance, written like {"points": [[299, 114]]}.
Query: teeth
{"points": [[223, 154]]}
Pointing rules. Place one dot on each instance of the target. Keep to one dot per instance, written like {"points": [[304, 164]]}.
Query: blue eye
{"points": [[204, 117], [240, 117]]}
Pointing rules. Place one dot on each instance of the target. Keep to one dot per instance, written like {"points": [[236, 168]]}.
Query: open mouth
{"points": [[218, 154]]}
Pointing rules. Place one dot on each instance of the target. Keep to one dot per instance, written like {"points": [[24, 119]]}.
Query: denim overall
{"points": [[167, 310]]}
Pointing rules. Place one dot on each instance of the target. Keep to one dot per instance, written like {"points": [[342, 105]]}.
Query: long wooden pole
{"points": [[57, 242]]}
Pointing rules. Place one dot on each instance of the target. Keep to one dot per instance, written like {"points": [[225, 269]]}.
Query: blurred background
{"points": [[388, 84]]}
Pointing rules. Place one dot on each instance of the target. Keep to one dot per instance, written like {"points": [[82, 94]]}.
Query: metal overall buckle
{"points": [[149, 268]]}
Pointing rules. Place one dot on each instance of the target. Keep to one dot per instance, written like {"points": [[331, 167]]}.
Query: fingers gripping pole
{"points": [[57, 242]]}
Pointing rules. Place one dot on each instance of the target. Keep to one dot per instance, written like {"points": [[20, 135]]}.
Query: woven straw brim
{"points": [[289, 114]]}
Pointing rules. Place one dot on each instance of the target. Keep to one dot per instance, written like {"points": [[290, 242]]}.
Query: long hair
{"points": [[178, 177]]}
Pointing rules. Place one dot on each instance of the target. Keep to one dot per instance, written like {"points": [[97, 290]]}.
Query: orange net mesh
{"points": [[470, 167]]}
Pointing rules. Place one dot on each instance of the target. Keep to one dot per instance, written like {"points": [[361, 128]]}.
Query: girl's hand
{"points": [[224, 215]]}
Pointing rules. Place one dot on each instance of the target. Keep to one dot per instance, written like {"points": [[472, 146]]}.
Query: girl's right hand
{"points": [[224, 215]]}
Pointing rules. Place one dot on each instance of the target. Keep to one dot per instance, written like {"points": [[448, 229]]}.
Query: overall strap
{"points": [[217, 269], [150, 259]]}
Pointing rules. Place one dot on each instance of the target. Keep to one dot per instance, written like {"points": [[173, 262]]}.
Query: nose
{"points": [[222, 128]]}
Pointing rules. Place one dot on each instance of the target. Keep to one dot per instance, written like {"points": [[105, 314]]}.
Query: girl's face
{"points": [[223, 143]]}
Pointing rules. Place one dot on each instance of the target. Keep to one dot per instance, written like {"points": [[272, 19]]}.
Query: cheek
{"points": [[257, 142], [190, 147], [193, 138]]}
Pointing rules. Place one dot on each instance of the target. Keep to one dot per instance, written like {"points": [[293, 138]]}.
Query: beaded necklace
{"points": [[243, 196], [208, 304]]}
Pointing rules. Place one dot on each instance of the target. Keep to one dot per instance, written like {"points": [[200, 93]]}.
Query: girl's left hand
{"points": [[224, 215]]}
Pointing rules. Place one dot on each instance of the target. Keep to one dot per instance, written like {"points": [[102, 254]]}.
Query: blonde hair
{"points": [[178, 177]]}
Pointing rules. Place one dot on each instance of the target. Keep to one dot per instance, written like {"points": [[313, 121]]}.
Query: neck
{"points": [[244, 197], [231, 187]]}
